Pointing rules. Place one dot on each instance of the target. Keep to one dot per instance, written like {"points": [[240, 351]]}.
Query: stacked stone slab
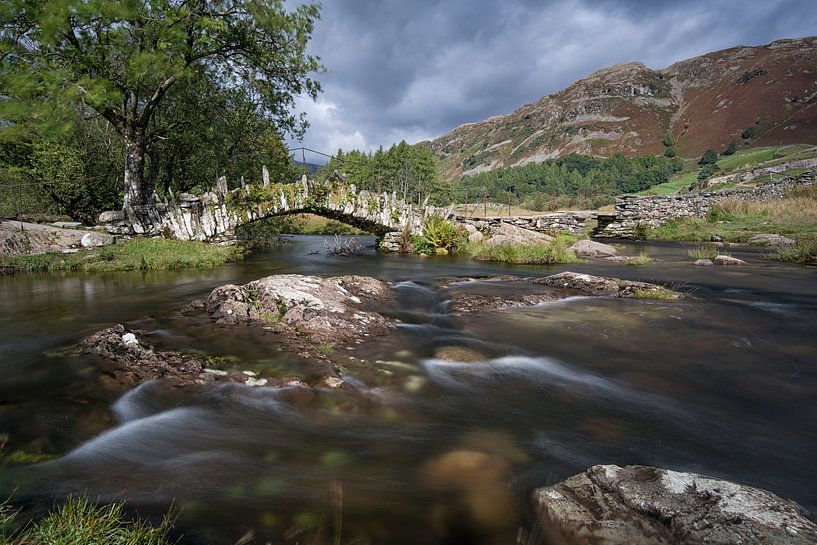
{"points": [[632, 211]]}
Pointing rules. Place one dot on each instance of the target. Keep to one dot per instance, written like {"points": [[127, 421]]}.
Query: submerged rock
{"points": [[459, 354], [588, 284], [703, 263], [640, 505], [592, 249], [326, 310]]}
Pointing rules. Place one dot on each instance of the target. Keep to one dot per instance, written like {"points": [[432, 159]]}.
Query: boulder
{"points": [[505, 233], [640, 505], [93, 240], [66, 224], [703, 263], [326, 310], [588, 284], [772, 241], [476, 237], [592, 249], [725, 260], [111, 216]]}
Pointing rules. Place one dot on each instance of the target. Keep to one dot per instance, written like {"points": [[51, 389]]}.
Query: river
{"points": [[722, 382]]}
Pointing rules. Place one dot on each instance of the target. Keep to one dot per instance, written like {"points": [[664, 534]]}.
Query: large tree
{"points": [[119, 59]]}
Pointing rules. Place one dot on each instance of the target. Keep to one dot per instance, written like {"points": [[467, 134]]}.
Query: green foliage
{"points": [[569, 181], [670, 153], [161, 74], [709, 157], [410, 171], [80, 522], [668, 140], [439, 234], [708, 170], [150, 254]]}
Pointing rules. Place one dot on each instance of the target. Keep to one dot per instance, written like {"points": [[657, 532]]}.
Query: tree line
{"points": [[409, 170], [577, 180]]}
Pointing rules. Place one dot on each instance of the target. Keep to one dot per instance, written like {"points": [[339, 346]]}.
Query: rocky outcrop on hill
{"points": [[640, 505], [704, 102]]}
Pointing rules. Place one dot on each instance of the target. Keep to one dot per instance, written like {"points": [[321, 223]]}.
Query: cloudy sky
{"points": [[415, 69]]}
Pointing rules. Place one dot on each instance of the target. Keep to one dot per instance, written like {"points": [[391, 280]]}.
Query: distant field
{"points": [[742, 160]]}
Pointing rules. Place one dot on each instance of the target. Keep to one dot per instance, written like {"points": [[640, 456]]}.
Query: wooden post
{"points": [[485, 205], [509, 205], [466, 203]]}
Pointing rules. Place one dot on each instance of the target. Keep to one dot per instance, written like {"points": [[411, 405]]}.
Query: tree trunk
{"points": [[139, 202]]}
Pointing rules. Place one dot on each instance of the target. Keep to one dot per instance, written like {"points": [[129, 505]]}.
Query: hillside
{"points": [[704, 102]]}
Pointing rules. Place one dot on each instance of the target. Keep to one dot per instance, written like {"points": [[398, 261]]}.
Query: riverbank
{"points": [[794, 217], [148, 254]]}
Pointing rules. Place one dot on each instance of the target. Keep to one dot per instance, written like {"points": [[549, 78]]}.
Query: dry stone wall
{"points": [[557, 222], [632, 211]]}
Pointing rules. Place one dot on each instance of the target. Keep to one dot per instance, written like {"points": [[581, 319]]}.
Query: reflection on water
{"points": [[424, 451]]}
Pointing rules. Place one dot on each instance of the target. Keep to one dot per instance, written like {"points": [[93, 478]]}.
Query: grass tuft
{"points": [[146, 254], [704, 251], [555, 251], [660, 294], [640, 260], [804, 253], [80, 522]]}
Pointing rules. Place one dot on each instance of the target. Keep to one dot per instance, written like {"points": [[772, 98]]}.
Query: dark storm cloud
{"points": [[413, 70]]}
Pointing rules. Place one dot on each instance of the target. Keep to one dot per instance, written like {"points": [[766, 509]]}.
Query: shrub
{"points": [[670, 152], [708, 170], [731, 148], [439, 234], [709, 157], [748, 133]]}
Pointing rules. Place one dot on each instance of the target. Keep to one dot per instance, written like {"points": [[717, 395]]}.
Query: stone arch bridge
{"points": [[215, 215]]}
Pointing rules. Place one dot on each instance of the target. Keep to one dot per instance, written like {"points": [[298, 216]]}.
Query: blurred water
{"points": [[723, 382]]}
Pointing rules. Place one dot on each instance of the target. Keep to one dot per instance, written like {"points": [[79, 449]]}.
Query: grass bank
{"points": [[794, 216], [540, 254], [80, 522], [148, 254]]}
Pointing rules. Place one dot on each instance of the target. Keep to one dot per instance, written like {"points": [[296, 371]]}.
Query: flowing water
{"points": [[722, 382]]}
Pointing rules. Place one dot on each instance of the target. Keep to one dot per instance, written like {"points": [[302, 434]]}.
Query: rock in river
{"points": [[726, 261], [592, 249], [327, 310], [588, 284], [640, 505]]}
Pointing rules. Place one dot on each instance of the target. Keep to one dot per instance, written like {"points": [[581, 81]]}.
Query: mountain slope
{"points": [[704, 102]]}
